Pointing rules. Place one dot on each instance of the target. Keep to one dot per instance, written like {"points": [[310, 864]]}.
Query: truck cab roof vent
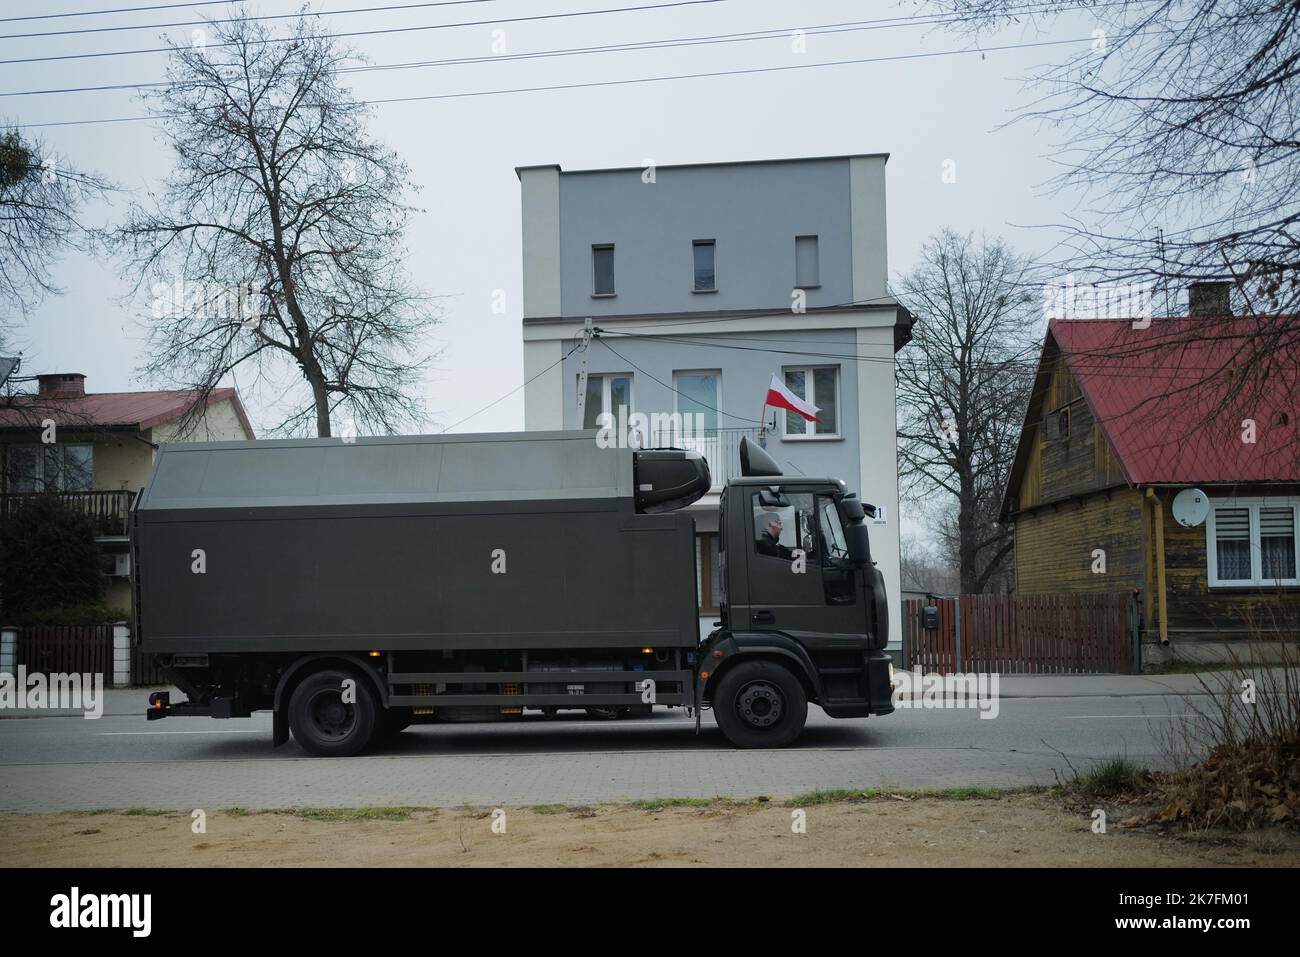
{"points": [[754, 460]]}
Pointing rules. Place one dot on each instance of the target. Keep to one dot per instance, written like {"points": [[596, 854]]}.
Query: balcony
{"points": [[720, 448], [109, 511]]}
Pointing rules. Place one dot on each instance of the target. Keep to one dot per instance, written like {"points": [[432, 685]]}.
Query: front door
{"points": [[800, 579]]}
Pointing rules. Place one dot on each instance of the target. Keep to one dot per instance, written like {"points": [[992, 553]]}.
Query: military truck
{"points": [[354, 587]]}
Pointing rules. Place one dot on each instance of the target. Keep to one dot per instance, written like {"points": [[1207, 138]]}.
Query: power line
{"points": [[100, 13], [822, 29], [267, 16], [378, 32], [648, 375], [522, 385], [604, 83]]}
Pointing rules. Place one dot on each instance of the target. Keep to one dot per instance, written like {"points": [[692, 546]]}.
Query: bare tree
{"points": [[1177, 123], [276, 245], [40, 196], [921, 569], [963, 385]]}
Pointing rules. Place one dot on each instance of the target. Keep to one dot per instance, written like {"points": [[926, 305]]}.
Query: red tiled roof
{"points": [[1172, 398], [142, 410]]}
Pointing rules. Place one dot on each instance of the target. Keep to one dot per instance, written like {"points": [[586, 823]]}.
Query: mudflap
{"points": [[279, 727]]}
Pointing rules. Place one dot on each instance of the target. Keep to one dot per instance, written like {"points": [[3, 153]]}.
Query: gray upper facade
{"points": [[703, 282]]}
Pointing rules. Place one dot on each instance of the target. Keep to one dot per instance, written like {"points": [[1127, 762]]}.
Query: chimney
{"points": [[67, 385], [1205, 299]]}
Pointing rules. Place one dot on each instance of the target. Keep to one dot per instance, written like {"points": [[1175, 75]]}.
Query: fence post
{"points": [[9, 650], [1134, 631], [121, 654], [956, 669]]}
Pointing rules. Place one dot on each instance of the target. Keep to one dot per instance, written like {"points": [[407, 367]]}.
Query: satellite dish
{"points": [[1191, 507], [8, 366]]}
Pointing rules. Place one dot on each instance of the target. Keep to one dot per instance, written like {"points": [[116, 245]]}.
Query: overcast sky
{"points": [[922, 110]]}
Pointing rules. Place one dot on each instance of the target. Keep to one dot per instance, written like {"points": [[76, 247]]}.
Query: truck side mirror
{"points": [[930, 617], [771, 498]]}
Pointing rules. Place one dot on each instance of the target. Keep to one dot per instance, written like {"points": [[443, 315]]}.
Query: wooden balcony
{"points": [[109, 511]]}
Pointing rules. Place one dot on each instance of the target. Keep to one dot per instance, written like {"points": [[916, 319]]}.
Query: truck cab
{"points": [[802, 599]]}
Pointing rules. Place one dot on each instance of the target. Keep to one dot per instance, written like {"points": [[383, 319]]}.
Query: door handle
{"points": [[764, 617]]}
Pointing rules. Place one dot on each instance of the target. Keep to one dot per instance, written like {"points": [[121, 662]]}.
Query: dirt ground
{"points": [[1016, 830]]}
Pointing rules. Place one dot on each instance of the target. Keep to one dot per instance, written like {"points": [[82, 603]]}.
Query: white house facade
{"points": [[701, 283]]}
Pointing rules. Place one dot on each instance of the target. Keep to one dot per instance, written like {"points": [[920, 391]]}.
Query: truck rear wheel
{"points": [[323, 723], [759, 704]]}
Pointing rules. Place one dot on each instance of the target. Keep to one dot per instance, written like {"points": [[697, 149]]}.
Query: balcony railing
{"points": [[720, 448], [109, 511]]}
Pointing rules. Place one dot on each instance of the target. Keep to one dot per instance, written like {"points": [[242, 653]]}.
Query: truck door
{"points": [[800, 578]]}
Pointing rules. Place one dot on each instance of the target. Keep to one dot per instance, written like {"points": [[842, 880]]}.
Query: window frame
{"points": [[677, 395], [1253, 505], [810, 433], [817, 257], [42, 450], [713, 245], [605, 378], [613, 271]]}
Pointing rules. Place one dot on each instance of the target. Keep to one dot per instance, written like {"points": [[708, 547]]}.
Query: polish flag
{"points": [[781, 397]]}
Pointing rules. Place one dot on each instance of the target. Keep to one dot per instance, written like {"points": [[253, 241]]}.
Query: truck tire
{"points": [[323, 724], [760, 704]]}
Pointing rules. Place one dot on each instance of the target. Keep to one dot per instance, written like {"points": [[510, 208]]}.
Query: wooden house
{"points": [[1123, 417]]}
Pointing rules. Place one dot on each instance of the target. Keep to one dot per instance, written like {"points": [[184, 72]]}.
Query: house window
{"points": [[702, 251], [602, 269], [606, 393], [699, 394], [806, 267], [708, 573], [819, 385], [1252, 542], [58, 468]]}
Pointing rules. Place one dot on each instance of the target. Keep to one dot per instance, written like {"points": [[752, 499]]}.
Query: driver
{"points": [[769, 542]]}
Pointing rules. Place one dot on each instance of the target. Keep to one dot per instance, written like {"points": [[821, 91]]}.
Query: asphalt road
{"points": [[122, 761]]}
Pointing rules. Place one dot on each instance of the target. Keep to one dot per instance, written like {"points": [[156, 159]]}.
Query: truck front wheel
{"points": [[759, 704], [333, 713]]}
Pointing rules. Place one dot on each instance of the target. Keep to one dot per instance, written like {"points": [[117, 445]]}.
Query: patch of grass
{"points": [[149, 812], [842, 795], [659, 804], [1112, 778], [547, 808], [238, 812], [354, 813]]}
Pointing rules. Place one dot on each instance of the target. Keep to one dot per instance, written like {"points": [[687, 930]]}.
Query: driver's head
{"points": [[774, 526]]}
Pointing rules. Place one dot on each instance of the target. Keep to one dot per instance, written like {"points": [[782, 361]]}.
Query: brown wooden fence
{"points": [[67, 649], [1022, 634], [80, 649]]}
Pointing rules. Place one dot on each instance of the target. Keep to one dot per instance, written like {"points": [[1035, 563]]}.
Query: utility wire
{"points": [[821, 29], [267, 16], [648, 375], [100, 13], [609, 83], [524, 384], [379, 32]]}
